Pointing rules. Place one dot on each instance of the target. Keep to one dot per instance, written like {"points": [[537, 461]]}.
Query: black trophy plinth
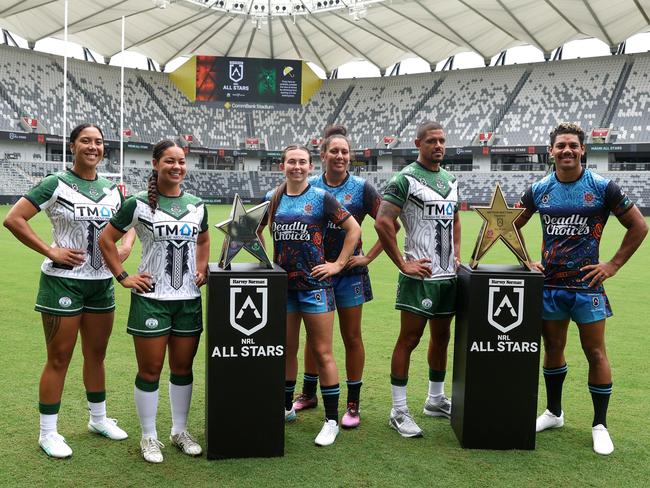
{"points": [[245, 356], [496, 357]]}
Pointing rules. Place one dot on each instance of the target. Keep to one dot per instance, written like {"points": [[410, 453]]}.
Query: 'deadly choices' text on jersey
{"points": [[429, 202], [78, 209], [168, 238], [360, 199], [573, 217], [297, 229]]}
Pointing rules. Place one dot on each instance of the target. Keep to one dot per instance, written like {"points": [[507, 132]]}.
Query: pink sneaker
{"points": [[304, 402], [351, 419]]}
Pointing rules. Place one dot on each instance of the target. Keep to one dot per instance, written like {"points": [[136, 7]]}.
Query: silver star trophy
{"points": [[241, 233]]}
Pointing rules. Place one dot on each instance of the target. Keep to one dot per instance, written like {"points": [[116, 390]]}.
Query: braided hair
{"points": [[152, 182]]}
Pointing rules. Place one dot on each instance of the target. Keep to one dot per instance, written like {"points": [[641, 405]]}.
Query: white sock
{"points": [[48, 423], [180, 397], [436, 390], [399, 396], [146, 404], [97, 411]]}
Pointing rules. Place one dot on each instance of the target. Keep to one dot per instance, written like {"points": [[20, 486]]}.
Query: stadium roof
{"points": [[328, 33]]}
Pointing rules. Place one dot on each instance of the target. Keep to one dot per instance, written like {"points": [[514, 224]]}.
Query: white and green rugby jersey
{"points": [[429, 201], [168, 238], [78, 209]]}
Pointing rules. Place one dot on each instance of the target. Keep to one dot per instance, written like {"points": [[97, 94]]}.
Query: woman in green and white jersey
{"points": [[165, 308], [76, 293]]}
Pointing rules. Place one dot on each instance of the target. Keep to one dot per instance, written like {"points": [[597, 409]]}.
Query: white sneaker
{"points": [[602, 442], [186, 443], [327, 434], [441, 408], [150, 449], [549, 420], [108, 428], [400, 419], [290, 415], [55, 446]]}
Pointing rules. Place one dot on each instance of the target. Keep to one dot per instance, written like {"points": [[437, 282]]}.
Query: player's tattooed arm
{"points": [[51, 324], [388, 210]]}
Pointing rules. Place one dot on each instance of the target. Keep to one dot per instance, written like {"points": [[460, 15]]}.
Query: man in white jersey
{"points": [[425, 198]]}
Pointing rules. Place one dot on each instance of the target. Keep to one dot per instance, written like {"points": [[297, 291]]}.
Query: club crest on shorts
{"points": [[595, 301], [151, 323], [248, 304], [65, 302], [505, 304]]}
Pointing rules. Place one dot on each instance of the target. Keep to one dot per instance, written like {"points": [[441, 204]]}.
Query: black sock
{"points": [[309, 384], [554, 378], [354, 390], [600, 397], [330, 396], [289, 388]]}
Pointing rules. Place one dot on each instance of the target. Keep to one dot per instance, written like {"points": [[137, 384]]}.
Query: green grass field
{"points": [[372, 455]]}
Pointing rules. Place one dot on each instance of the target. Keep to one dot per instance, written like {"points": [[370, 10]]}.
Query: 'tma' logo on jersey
{"points": [[175, 231], [93, 211], [438, 210]]}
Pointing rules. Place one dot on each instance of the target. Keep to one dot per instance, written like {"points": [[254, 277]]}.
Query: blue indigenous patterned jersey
{"points": [[573, 216], [360, 199], [298, 228]]}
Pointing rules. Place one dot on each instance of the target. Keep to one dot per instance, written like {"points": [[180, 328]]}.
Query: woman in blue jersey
{"points": [[352, 285], [75, 295], [298, 217], [165, 308]]}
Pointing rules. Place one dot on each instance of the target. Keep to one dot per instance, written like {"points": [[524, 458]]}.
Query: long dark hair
{"points": [[152, 182], [281, 188]]}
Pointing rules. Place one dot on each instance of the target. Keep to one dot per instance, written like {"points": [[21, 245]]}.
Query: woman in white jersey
{"points": [[165, 311], [76, 293]]}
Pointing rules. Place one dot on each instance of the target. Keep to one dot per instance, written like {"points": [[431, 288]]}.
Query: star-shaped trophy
{"points": [[241, 233], [499, 224]]}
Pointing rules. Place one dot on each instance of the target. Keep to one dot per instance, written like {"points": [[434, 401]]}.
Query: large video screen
{"points": [[221, 79]]}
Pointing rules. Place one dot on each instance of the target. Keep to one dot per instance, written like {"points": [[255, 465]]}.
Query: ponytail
{"points": [[152, 190], [275, 203], [152, 186]]}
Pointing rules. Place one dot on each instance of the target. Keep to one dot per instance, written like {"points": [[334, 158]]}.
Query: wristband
{"points": [[121, 276]]}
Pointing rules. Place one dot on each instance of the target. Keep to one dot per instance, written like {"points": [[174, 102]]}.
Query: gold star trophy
{"points": [[241, 233], [499, 224]]}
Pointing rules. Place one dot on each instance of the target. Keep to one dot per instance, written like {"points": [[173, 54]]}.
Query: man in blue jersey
{"points": [[574, 205]]}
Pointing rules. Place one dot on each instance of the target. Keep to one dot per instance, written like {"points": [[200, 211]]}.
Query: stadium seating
{"points": [[563, 91], [632, 117], [466, 103]]}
